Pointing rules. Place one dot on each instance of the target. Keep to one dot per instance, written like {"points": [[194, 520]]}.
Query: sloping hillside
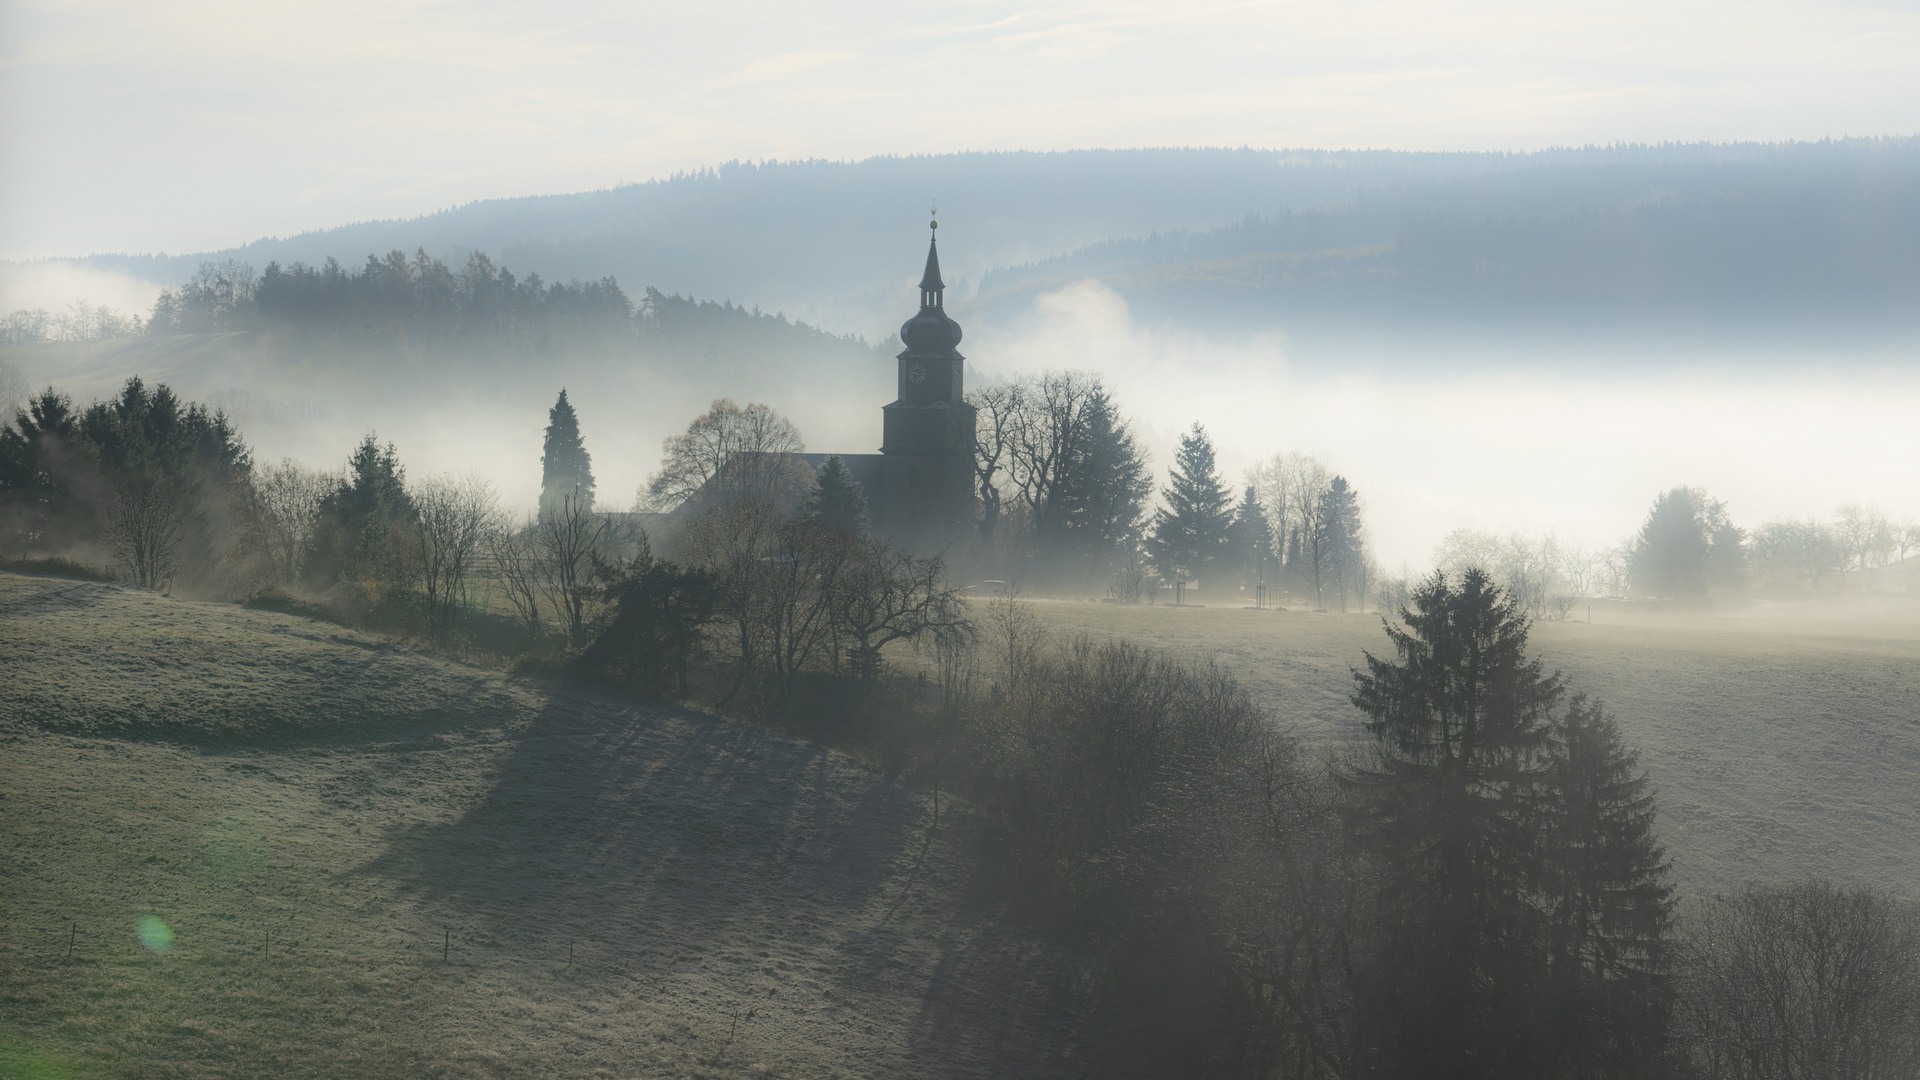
{"points": [[376, 862]]}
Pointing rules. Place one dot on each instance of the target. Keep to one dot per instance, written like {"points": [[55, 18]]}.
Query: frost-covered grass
{"points": [[1783, 745], [375, 861]]}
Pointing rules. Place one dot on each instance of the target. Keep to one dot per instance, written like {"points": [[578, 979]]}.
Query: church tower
{"points": [[928, 430]]}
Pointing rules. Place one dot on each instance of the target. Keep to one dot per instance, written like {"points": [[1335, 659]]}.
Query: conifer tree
{"points": [[1336, 539], [1460, 716], [1251, 541], [565, 465], [1190, 531], [1520, 907], [837, 502], [1686, 547], [1102, 491], [1606, 901], [359, 516]]}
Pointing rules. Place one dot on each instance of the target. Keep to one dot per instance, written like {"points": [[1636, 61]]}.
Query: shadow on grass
{"points": [[613, 808], [701, 852]]}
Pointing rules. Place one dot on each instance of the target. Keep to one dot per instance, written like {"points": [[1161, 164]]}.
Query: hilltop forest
{"points": [[1623, 240]]}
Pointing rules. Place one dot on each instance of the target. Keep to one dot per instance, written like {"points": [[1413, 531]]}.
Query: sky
{"points": [[201, 124]]}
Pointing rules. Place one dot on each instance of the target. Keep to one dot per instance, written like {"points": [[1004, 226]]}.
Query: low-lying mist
{"points": [[1503, 440]]}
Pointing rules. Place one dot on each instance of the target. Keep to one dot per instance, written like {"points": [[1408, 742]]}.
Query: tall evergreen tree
{"points": [[837, 502], [1520, 907], [565, 466], [1606, 901], [1686, 543], [357, 521], [1190, 531], [1102, 491], [42, 456], [168, 464], [1460, 716], [1250, 542], [1336, 539]]}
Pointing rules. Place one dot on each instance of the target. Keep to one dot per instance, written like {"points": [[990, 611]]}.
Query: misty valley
{"points": [[1262, 614]]}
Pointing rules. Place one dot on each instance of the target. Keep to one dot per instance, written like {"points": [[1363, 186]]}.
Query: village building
{"points": [[920, 486]]}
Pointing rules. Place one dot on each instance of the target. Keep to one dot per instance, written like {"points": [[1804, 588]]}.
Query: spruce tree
{"points": [[565, 466], [357, 520], [1102, 492], [1686, 543], [837, 502], [1606, 901], [1251, 541], [1520, 907], [1461, 717], [1190, 531], [1336, 539]]}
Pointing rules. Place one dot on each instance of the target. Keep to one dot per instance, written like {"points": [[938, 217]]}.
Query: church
{"points": [[919, 487]]}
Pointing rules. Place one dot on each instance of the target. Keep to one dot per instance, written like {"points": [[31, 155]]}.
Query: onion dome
{"points": [[931, 333]]}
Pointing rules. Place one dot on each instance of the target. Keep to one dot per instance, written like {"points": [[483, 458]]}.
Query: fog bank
{"points": [[1503, 442]]}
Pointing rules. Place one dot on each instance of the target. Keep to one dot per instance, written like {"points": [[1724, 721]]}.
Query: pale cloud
{"points": [[776, 68]]}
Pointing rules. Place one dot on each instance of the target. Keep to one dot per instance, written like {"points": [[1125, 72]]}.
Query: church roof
{"points": [[930, 281]]}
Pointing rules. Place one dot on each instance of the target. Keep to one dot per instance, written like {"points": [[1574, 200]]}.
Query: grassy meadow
{"points": [[1782, 744], [374, 861]]}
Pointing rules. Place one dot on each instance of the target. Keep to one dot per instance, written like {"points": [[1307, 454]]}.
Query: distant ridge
{"points": [[1600, 234]]}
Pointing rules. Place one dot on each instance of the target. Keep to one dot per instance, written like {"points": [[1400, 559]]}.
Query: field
{"points": [[1782, 745], [377, 862]]}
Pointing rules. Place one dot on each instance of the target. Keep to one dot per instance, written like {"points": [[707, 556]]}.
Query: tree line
{"points": [[1065, 498], [419, 306], [1688, 548]]}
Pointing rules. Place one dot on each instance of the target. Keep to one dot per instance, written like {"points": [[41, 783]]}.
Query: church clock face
{"points": [[917, 374]]}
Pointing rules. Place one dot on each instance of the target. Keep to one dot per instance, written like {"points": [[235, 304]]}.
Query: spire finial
{"points": [[934, 213]]}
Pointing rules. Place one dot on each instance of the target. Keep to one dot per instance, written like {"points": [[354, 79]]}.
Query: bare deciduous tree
{"points": [[1001, 409], [1807, 981], [1131, 579], [1906, 537], [565, 540], [1015, 635], [1797, 550], [514, 551], [796, 611], [1051, 412], [731, 541], [1540, 574], [456, 516], [1859, 531], [739, 449], [280, 513], [1290, 489], [887, 595], [144, 528]]}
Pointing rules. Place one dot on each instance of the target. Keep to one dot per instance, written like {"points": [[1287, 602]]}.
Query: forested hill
{"points": [[1822, 239], [1818, 235]]}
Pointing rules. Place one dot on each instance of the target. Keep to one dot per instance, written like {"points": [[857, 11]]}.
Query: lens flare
{"points": [[156, 935]]}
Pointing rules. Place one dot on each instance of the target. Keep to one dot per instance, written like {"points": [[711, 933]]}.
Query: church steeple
{"points": [[927, 435], [931, 287], [930, 335]]}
